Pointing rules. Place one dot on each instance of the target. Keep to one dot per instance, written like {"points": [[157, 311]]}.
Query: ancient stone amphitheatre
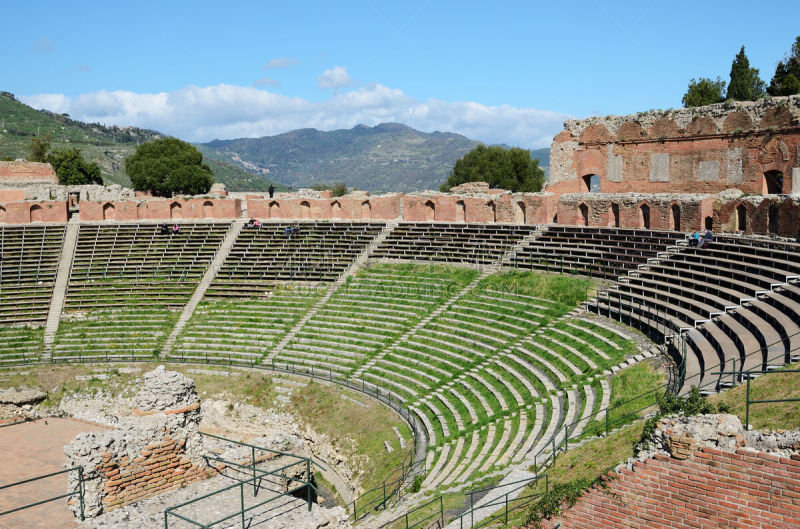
{"points": [[413, 360]]}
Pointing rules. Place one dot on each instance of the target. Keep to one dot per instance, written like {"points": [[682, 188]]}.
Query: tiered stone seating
{"points": [[452, 243], [122, 264], [597, 252], [127, 334], [243, 330], [369, 312], [321, 251], [21, 344], [28, 264], [712, 294]]}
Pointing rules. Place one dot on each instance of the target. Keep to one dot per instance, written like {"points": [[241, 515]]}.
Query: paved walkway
{"points": [[32, 449]]}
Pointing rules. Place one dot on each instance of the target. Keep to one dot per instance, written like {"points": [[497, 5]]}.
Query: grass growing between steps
{"points": [[565, 289], [358, 431], [776, 385], [628, 385]]}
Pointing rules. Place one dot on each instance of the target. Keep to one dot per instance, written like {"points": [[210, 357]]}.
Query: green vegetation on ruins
{"points": [[511, 169]]}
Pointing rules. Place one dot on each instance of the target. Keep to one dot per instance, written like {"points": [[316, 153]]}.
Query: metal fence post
{"points": [[80, 490], [241, 499], [747, 407], [253, 454], [308, 483]]}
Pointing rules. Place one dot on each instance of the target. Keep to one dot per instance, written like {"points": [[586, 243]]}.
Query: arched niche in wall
{"points": [[366, 210], [644, 216], [583, 214], [2, 214], [336, 209], [741, 218], [274, 209], [591, 183], [773, 182], [520, 215], [36, 213], [208, 209], [175, 210], [430, 210], [305, 210], [708, 223], [675, 217], [615, 214], [774, 216], [461, 211], [491, 211], [109, 211]]}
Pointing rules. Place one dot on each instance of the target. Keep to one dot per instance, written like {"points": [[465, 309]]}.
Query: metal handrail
{"points": [[79, 491]]}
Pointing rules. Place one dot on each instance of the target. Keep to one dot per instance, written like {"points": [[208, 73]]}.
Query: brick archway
{"points": [[109, 212], [36, 214], [175, 210], [208, 209]]}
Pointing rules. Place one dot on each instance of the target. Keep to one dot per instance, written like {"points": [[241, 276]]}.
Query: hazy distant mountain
{"points": [[386, 157]]}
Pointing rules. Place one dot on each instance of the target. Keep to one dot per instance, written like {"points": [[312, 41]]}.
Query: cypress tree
{"points": [[745, 84]]}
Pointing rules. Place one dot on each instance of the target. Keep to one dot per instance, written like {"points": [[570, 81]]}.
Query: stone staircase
{"points": [[60, 287], [507, 257], [354, 267], [205, 282]]}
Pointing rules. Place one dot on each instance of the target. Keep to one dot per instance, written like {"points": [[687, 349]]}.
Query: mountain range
{"points": [[386, 157]]}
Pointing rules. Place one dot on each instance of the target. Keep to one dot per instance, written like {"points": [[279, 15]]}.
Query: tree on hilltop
{"points": [[745, 83], [72, 169], [511, 169], [168, 166], [786, 80], [703, 91]]}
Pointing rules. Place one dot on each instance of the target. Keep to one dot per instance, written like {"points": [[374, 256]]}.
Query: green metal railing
{"points": [[257, 475], [420, 517], [378, 497], [749, 401], [78, 491]]}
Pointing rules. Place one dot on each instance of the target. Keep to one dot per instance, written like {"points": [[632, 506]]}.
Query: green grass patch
{"points": [[565, 289], [773, 386], [633, 389]]}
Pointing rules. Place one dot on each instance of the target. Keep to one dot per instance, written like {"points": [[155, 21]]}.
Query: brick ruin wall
{"points": [[695, 150], [731, 478], [22, 171]]}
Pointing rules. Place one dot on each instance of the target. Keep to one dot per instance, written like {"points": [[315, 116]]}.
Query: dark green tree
{"points": [[168, 166], [511, 169], [745, 83], [39, 147], [72, 169], [703, 91], [786, 80]]}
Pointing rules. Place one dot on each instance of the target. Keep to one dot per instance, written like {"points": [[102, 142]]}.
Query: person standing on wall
{"points": [[271, 190]]}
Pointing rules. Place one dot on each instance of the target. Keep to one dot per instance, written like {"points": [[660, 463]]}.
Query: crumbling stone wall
{"points": [[157, 449], [704, 471], [694, 150]]}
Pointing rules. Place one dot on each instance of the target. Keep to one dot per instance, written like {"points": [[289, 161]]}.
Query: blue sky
{"points": [[507, 72]]}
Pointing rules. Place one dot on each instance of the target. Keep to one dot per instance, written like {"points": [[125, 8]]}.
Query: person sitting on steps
{"points": [[706, 240], [175, 229], [164, 229], [694, 238]]}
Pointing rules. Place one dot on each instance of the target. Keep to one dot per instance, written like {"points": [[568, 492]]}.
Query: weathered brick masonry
{"points": [[712, 488]]}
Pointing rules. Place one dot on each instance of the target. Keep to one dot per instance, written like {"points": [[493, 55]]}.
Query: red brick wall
{"points": [[160, 466], [12, 195], [27, 172], [178, 208], [33, 211], [745, 489]]}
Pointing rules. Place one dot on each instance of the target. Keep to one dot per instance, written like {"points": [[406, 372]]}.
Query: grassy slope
{"points": [[108, 146]]}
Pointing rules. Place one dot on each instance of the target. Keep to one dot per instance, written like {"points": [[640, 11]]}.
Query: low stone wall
{"points": [[22, 171]]}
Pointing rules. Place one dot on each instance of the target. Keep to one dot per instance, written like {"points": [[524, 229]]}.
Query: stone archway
{"points": [[274, 209], [591, 183], [208, 209], [175, 210], [366, 210], [36, 213], [109, 212], [773, 182], [336, 209], [615, 214], [491, 211]]}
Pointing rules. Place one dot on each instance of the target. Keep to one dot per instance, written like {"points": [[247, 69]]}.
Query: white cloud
{"points": [[226, 111], [267, 81], [336, 77], [280, 62], [43, 44]]}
